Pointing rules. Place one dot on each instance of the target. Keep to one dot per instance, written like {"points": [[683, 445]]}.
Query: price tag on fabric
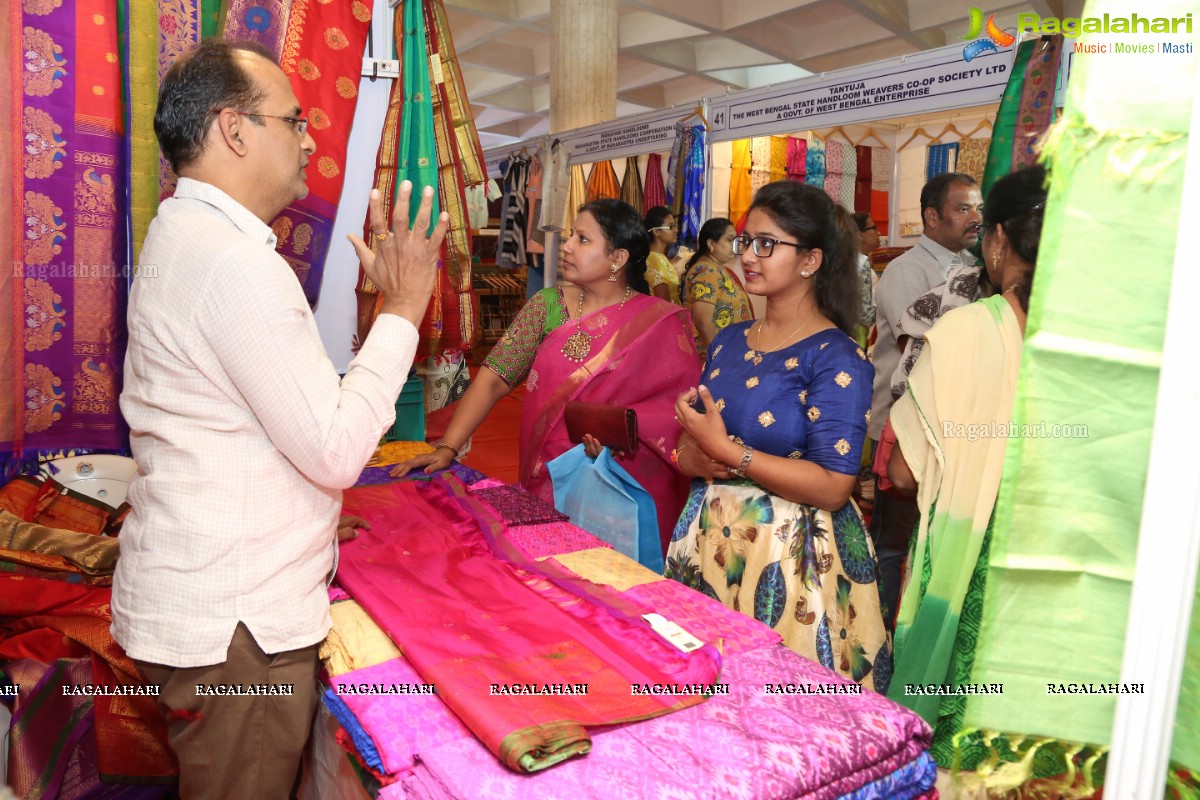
{"points": [[435, 68], [672, 632]]}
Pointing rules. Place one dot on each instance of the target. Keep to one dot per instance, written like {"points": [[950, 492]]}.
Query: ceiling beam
{"points": [[675, 55], [889, 48], [511, 60], [702, 14], [644, 28], [893, 16], [737, 15], [504, 10], [648, 96]]}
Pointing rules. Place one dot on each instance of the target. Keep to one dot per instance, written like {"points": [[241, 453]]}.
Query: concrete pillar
{"points": [[583, 63]]}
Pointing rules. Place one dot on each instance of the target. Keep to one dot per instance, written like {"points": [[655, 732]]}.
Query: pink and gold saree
{"points": [[642, 356], [527, 668]]}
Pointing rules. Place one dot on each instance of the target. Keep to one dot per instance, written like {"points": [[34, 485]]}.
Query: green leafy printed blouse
{"points": [[513, 355]]}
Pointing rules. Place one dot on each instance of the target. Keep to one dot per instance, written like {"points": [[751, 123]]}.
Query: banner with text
{"points": [[936, 80], [652, 132]]}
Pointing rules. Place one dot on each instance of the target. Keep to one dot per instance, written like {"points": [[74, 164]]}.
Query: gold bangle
{"points": [[450, 447]]}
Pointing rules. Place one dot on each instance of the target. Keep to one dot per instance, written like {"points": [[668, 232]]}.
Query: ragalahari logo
{"points": [[996, 38]]}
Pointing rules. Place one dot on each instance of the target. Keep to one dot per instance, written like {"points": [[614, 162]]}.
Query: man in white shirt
{"points": [[243, 433], [951, 210]]}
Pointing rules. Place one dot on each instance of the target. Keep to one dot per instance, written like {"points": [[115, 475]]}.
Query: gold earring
{"points": [[996, 258], [612, 273]]}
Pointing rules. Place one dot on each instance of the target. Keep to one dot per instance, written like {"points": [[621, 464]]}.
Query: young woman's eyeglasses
{"points": [[673, 226], [299, 124], [763, 245]]}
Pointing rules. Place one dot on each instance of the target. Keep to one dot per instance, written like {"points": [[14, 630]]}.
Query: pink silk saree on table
{"points": [[643, 356], [484, 631], [745, 744]]}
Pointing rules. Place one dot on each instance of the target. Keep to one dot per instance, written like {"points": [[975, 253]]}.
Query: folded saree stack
{"points": [[54, 620]]}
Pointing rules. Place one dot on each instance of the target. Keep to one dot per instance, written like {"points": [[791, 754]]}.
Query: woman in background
{"points": [[661, 231], [713, 292], [771, 530], [868, 240], [600, 340]]}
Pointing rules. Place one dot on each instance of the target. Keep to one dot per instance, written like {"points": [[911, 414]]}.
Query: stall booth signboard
{"points": [[923, 83]]}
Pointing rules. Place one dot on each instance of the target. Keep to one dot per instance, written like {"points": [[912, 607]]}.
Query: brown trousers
{"points": [[232, 747]]}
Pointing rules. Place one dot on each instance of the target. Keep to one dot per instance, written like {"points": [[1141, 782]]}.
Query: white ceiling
{"points": [[677, 51]]}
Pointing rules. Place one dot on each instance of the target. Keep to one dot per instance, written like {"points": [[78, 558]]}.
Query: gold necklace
{"points": [[756, 355], [578, 345]]}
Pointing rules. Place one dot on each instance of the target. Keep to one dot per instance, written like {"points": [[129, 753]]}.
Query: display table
{"points": [[778, 725]]}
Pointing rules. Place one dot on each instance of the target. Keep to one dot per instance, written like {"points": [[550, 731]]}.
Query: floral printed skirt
{"points": [[806, 572]]}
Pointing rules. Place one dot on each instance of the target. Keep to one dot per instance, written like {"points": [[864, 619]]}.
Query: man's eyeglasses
{"points": [[299, 124], [763, 245]]}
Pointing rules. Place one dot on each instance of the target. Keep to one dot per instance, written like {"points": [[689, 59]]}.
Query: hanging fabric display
{"points": [[796, 154], [460, 164], [429, 137], [881, 177], [814, 164], [535, 239], [1116, 159], [602, 183], [654, 193], [940, 159], [154, 44], [719, 176], [862, 180], [1026, 109], [741, 189], [760, 163], [333, 35], [833, 170], [779, 149], [65, 190], [681, 150], [262, 22], [511, 254], [406, 152], [972, 157], [631, 184], [690, 216], [849, 177], [576, 197], [557, 182]]}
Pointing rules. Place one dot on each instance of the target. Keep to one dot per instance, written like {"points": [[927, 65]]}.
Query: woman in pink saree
{"points": [[601, 339]]}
